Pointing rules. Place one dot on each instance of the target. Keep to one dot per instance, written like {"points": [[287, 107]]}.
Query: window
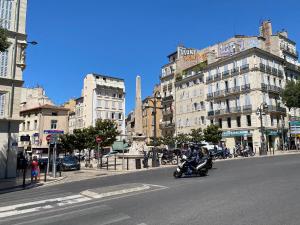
{"points": [[54, 114], [120, 96], [247, 99], [202, 120], [28, 125], [53, 124], [249, 120], [244, 61], [114, 95], [3, 63], [35, 125], [99, 103], [220, 122], [2, 104], [113, 115], [23, 126], [120, 116], [229, 122], [120, 105], [106, 104], [211, 121], [238, 121], [113, 105]]}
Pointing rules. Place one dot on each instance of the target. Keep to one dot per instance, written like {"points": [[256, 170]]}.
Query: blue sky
{"points": [[124, 38]]}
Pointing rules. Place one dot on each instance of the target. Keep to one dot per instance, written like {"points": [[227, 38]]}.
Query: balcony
{"points": [[244, 68], [271, 88], [280, 73], [235, 89], [274, 71], [209, 79], [167, 112], [245, 87], [166, 125], [247, 108], [225, 74], [289, 51], [276, 109], [218, 94], [268, 69], [167, 99], [210, 95], [210, 113], [217, 77], [262, 67], [235, 71]]}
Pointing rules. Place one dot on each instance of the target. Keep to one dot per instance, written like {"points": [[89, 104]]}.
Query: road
{"points": [[262, 191]]}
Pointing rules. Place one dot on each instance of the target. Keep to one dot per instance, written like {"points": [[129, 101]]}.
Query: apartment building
{"points": [[76, 120], [103, 98], [34, 97], [12, 64], [37, 123], [148, 115], [231, 81]]}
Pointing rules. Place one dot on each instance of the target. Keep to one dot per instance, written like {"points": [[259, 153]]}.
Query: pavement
{"points": [[258, 191]]}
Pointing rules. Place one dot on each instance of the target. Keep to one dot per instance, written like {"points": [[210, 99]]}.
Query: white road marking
{"points": [[117, 218], [112, 193], [18, 212], [13, 207]]}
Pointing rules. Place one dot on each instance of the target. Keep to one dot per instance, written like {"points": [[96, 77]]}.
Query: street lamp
{"points": [[154, 107], [261, 111]]}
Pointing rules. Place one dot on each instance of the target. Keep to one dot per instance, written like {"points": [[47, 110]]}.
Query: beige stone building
{"points": [[224, 84], [12, 64], [76, 120], [148, 116], [37, 123], [103, 98], [34, 97]]}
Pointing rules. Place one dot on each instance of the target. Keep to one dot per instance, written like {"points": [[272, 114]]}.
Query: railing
{"points": [[272, 88], [210, 95], [209, 78], [247, 108], [225, 74], [235, 89], [268, 69], [273, 108], [274, 71], [217, 76], [246, 87], [244, 68], [262, 67], [219, 93], [235, 71], [280, 73], [168, 98], [167, 112], [210, 113]]}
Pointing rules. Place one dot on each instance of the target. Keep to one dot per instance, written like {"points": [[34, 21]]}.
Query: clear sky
{"points": [[124, 38]]}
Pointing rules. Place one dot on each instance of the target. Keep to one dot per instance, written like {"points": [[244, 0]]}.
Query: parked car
{"points": [[43, 164], [69, 163]]}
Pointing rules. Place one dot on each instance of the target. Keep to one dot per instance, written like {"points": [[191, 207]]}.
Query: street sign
{"points": [[53, 131], [98, 139], [48, 137]]}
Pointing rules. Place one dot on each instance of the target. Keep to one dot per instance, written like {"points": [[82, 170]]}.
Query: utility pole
{"points": [[263, 106]]}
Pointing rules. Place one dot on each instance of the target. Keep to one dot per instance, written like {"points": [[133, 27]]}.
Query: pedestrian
{"points": [[35, 169]]}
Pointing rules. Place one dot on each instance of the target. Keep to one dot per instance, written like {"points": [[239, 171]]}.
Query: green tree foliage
{"points": [[107, 130], [168, 140], [196, 135], [4, 44], [212, 134], [67, 142], [291, 94]]}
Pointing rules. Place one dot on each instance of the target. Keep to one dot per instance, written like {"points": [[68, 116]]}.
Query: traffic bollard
{"points": [[107, 163], [24, 177], [127, 164], [115, 163], [45, 175]]}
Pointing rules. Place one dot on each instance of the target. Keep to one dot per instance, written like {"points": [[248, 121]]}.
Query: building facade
{"points": [[34, 97], [148, 116], [37, 123], [12, 64], [226, 83], [103, 98]]}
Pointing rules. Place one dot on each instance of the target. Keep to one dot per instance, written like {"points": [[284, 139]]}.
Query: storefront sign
{"points": [[236, 133]]}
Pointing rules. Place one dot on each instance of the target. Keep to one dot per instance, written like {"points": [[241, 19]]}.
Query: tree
{"points": [[107, 130], [4, 44], [68, 142], [168, 140], [182, 139], [212, 134], [291, 94], [196, 135]]}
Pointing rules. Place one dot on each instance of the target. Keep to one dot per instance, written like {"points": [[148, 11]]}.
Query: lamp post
{"points": [[261, 111], [154, 107]]}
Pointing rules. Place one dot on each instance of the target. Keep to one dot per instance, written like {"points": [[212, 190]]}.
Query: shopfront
{"points": [[233, 138]]}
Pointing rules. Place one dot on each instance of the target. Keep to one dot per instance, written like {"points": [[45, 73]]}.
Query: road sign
{"points": [[98, 139], [53, 131], [48, 137]]}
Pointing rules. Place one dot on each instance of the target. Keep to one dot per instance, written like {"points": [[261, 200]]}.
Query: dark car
{"points": [[69, 163], [43, 164]]}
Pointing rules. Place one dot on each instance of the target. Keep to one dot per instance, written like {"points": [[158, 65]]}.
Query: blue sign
{"points": [[236, 133], [53, 131]]}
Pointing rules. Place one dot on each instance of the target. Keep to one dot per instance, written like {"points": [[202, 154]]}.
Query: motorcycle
{"points": [[187, 168]]}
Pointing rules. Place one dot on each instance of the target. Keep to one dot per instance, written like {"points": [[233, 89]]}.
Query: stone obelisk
{"points": [[138, 140], [138, 128]]}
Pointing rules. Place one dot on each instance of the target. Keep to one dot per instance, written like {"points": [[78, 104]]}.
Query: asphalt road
{"points": [[262, 191]]}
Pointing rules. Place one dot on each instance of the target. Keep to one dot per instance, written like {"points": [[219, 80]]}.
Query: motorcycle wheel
{"points": [[177, 174], [252, 154], [210, 166], [203, 173], [220, 157], [174, 161], [163, 162], [230, 155]]}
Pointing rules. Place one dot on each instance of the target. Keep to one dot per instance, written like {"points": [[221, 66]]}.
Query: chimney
{"points": [[265, 29]]}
